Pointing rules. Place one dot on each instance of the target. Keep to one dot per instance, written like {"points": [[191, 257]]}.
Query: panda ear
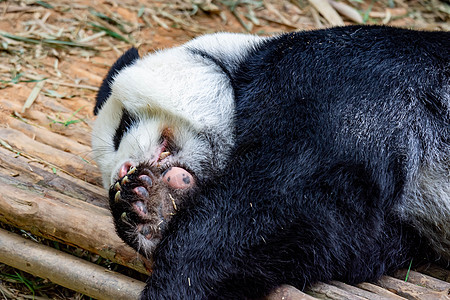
{"points": [[104, 92]]}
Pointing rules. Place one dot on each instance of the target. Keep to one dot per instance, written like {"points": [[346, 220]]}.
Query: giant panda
{"points": [[239, 163]]}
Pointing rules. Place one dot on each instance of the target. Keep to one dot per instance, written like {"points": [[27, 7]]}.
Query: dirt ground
{"points": [[54, 55]]}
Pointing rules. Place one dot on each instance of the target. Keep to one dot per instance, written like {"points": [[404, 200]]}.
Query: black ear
{"points": [[105, 89]]}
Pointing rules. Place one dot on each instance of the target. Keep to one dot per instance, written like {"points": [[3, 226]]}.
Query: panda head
{"points": [[166, 115], [170, 108]]}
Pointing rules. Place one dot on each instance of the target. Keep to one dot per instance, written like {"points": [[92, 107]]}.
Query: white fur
{"points": [[178, 89], [427, 205]]}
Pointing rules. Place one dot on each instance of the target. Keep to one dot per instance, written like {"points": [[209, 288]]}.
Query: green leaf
{"points": [[16, 78], [141, 11], [26, 282], [409, 269], [107, 19], [54, 94], [44, 4], [109, 32]]}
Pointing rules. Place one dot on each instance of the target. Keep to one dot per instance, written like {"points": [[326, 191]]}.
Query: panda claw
{"points": [[117, 197], [131, 171], [125, 180]]}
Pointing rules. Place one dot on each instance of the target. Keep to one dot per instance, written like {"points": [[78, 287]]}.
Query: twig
{"points": [[280, 22], [347, 11], [327, 11], [80, 86], [92, 37], [283, 20], [246, 26], [159, 21], [33, 95]]}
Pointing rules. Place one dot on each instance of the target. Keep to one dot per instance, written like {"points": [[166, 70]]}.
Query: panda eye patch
{"points": [[126, 122]]}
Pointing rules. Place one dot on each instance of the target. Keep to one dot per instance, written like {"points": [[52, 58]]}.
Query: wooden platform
{"points": [[50, 185]]}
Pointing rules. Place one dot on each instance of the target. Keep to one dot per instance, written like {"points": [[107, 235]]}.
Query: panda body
{"points": [[314, 155]]}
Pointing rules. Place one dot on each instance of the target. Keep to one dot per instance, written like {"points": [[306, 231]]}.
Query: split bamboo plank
{"points": [[78, 132]]}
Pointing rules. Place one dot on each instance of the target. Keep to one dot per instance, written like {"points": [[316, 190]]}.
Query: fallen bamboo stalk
{"points": [[66, 270], [327, 11], [69, 84], [33, 95], [347, 11]]}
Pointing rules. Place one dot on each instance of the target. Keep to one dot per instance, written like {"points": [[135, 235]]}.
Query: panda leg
{"points": [[221, 248]]}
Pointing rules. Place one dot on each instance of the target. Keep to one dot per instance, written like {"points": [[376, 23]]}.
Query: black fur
{"points": [[105, 90], [125, 124], [329, 127]]}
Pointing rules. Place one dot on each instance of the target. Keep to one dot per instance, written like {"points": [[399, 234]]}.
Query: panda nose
{"points": [[125, 168]]}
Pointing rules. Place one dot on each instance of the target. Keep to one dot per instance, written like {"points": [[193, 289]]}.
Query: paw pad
{"points": [[140, 208], [146, 180], [141, 191]]}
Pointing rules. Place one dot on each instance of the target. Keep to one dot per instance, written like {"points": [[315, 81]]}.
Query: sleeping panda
{"points": [[239, 163]]}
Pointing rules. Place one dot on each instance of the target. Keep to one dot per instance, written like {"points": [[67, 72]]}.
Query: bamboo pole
{"points": [[66, 270], [328, 291], [35, 201], [424, 280], [67, 162], [410, 290]]}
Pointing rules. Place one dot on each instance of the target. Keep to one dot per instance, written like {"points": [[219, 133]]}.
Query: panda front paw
{"points": [[144, 199]]}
